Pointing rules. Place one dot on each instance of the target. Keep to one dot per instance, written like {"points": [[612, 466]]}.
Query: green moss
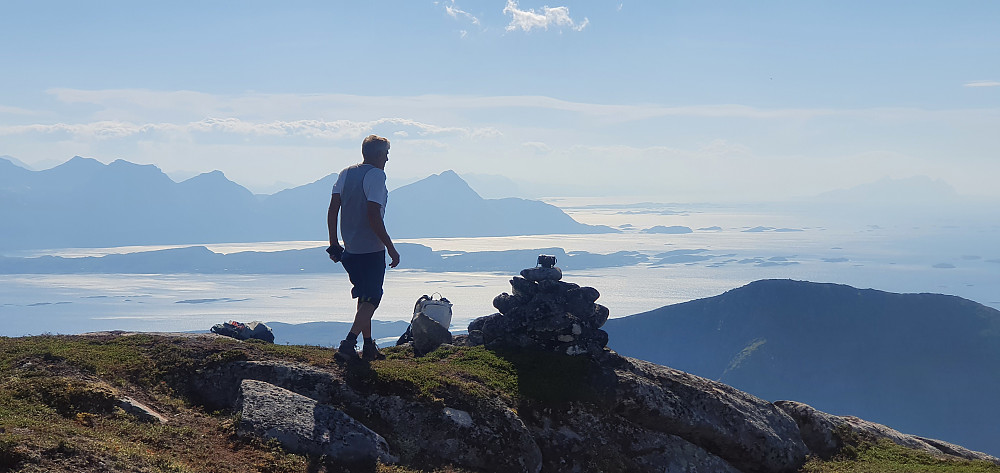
{"points": [[66, 396], [883, 456], [515, 375], [470, 370]]}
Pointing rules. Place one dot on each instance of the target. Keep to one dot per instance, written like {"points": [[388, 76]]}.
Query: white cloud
{"points": [[434, 146], [982, 83], [270, 110], [331, 130], [537, 146], [527, 20], [457, 13]]}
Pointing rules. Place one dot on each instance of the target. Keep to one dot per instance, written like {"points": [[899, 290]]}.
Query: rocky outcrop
{"points": [[488, 437], [305, 426], [477, 435], [620, 414], [578, 438], [638, 416], [651, 418], [825, 434], [749, 433], [544, 313]]}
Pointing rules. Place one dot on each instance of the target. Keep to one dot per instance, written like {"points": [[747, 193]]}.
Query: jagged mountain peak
{"points": [[446, 188], [79, 162], [121, 163], [214, 186], [215, 175], [210, 179]]}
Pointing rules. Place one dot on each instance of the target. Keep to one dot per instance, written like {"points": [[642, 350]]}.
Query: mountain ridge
{"points": [[892, 358], [124, 203], [440, 200]]}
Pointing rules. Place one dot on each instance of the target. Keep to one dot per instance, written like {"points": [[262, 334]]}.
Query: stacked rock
{"points": [[544, 313]]}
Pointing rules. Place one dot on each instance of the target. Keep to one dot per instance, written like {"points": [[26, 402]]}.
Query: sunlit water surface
{"points": [[952, 259]]}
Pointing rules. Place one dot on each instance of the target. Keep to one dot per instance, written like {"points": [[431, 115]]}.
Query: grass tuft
{"points": [[883, 456]]}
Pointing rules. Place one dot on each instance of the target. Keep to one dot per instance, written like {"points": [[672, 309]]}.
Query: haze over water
{"points": [[898, 257]]}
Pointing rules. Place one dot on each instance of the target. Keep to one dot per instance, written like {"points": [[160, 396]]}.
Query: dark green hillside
{"points": [[927, 364]]}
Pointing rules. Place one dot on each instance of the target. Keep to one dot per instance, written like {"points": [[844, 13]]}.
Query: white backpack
{"points": [[438, 310]]}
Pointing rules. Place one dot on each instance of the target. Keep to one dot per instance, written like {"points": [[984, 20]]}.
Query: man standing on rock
{"points": [[361, 193]]}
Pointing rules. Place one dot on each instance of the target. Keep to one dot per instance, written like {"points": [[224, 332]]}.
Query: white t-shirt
{"points": [[358, 185]]}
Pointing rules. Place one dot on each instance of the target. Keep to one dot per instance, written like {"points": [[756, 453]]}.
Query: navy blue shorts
{"points": [[367, 271]]}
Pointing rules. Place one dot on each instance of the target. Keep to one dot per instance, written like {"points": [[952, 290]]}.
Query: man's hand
{"points": [[394, 255], [336, 252]]}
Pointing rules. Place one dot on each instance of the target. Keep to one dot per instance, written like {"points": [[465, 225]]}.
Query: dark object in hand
{"points": [[336, 252], [546, 261]]}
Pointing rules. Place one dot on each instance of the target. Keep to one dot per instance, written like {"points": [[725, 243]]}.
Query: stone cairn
{"points": [[544, 313]]}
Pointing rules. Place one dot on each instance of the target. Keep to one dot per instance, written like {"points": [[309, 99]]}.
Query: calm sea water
{"points": [[959, 259]]}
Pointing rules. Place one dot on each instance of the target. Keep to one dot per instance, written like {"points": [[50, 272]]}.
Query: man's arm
{"points": [[332, 215], [378, 226]]}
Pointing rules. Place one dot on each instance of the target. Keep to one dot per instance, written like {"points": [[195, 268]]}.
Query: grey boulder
{"points": [[305, 426], [428, 334], [747, 432], [141, 411]]}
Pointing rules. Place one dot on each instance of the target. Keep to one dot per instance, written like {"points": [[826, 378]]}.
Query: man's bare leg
{"points": [[363, 319], [363, 325]]}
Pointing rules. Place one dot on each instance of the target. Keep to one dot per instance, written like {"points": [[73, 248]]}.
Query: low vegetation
{"points": [[59, 413], [883, 456], [58, 408], [470, 370]]}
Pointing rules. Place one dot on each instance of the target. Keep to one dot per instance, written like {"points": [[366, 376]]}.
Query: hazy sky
{"points": [[679, 99]]}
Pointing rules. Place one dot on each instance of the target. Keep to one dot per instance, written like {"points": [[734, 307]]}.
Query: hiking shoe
{"points": [[370, 351], [348, 350]]}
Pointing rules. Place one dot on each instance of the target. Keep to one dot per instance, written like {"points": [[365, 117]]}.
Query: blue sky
{"points": [[675, 100]]}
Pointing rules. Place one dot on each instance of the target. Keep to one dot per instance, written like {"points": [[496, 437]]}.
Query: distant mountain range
{"points": [[201, 260], [443, 205], [84, 203], [888, 191], [924, 363], [15, 161]]}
